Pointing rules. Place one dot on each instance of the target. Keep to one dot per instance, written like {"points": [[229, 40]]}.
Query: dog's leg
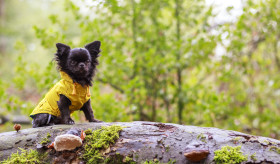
{"points": [[40, 120], [54, 120], [63, 105], [88, 112]]}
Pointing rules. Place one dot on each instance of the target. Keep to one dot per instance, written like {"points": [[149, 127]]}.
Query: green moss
{"points": [[128, 159], [25, 157], [99, 140], [157, 162], [88, 131], [118, 159], [236, 139], [274, 148], [201, 137], [171, 161], [273, 143], [167, 148], [228, 154], [253, 157], [266, 142], [46, 139], [151, 162]]}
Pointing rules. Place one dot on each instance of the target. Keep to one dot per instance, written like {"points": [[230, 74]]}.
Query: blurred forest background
{"points": [[162, 60]]}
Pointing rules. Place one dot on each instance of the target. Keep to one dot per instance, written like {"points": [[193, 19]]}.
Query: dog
{"points": [[77, 68]]}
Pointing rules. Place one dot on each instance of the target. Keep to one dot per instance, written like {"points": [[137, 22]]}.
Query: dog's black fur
{"points": [[80, 64]]}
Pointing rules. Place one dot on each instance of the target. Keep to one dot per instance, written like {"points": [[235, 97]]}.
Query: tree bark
{"points": [[149, 141]]}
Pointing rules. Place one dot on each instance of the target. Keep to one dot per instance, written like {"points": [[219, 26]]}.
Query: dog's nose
{"points": [[82, 65]]}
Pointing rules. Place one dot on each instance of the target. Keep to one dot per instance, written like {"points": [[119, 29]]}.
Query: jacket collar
{"points": [[65, 76]]}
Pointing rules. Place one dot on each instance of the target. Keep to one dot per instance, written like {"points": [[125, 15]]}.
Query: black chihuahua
{"points": [[77, 68]]}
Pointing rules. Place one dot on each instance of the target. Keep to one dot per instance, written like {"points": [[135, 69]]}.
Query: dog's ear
{"points": [[62, 49], [93, 48]]}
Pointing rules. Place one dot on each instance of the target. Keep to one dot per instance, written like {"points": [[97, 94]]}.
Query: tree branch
{"points": [[111, 84]]}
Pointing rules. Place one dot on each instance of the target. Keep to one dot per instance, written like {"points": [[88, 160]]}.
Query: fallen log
{"points": [[149, 141]]}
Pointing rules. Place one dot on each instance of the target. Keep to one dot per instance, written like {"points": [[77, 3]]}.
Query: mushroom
{"points": [[196, 155], [17, 127], [67, 142]]}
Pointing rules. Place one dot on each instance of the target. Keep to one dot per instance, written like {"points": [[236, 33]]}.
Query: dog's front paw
{"points": [[71, 122], [68, 121]]}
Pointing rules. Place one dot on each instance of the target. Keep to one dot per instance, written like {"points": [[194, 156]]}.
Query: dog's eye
{"points": [[73, 62]]}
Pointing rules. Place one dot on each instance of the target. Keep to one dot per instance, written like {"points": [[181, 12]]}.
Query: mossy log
{"points": [[149, 141]]}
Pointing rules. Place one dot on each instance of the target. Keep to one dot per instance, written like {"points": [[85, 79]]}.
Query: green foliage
{"points": [[160, 61], [108, 107], [99, 140], [3, 94], [25, 157], [228, 154]]}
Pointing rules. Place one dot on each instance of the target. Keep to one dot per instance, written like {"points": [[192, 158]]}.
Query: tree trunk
{"points": [[151, 141], [180, 103], [2, 21]]}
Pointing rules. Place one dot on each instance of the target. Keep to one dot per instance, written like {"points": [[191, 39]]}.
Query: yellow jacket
{"points": [[75, 92]]}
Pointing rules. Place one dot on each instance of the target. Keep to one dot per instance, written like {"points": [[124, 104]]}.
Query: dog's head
{"points": [[79, 63]]}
